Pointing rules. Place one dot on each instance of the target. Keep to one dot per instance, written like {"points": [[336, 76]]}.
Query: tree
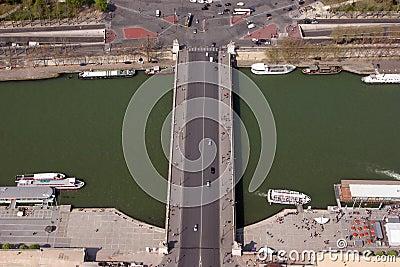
{"points": [[34, 246], [23, 246], [101, 5], [6, 246], [391, 253]]}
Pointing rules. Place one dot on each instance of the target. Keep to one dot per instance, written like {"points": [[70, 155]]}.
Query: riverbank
{"points": [[244, 59], [48, 72]]}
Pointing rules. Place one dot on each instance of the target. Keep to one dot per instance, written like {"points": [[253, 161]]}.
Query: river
{"points": [[328, 128]]}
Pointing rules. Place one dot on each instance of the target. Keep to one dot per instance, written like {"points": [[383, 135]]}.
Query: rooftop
{"points": [[19, 193]]}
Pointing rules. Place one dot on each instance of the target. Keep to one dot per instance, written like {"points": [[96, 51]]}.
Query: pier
{"points": [[200, 219]]}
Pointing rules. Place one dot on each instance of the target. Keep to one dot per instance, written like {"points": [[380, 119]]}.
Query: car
{"points": [[197, 21], [221, 13], [314, 21], [204, 8], [249, 22], [228, 4], [209, 142], [251, 26], [218, 5], [301, 2], [212, 170], [127, 62], [195, 31], [240, 4], [83, 64], [213, 44], [192, 1], [290, 9], [208, 183], [196, 227], [254, 40], [200, 1], [227, 10], [306, 21], [269, 15], [263, 40]]}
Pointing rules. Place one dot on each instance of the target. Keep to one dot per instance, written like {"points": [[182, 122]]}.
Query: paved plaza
{"points": [[108, 234], [289, 230]]}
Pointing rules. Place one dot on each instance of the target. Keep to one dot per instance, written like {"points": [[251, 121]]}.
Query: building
{"points": [[368, 191], [393, 233], [32, 195]]}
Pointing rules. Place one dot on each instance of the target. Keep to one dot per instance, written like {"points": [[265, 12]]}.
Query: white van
{"points": [[211, 59], [158, 13]]}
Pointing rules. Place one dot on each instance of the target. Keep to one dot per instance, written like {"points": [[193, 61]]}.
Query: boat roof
{"points": [[34, 192]]}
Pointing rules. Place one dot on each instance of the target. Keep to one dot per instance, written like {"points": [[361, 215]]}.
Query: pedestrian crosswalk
{"points": [[202, 49]]}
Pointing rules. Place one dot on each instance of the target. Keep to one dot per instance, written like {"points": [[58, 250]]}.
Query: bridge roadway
{"points": [[211, 244]]}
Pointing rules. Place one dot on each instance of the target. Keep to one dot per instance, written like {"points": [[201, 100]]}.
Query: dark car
{"points": [[268, 15], [212, 170], [228, 4], [227, 10], [83, 64], [218, 5], [213, 44], [127, 62], [204, 8], [306, 21]]}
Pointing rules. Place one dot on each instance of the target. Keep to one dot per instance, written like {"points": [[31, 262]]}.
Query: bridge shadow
{"points": [[237, 157]]}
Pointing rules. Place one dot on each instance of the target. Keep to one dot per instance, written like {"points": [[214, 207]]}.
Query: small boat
{"points": [[40, 176], [316, 69], [158, 70], [261, 68], [61, 184], [381, 78], [287, 197], [106, 74]]}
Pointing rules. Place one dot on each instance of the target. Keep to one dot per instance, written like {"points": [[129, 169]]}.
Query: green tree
{"points": [[6, 246], [391, 253], [101, 5], [34, 246], [23, 246], [380, 253]]}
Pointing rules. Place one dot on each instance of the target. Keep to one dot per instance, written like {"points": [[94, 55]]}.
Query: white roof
{"points": [[393, 233], [375, 190]]}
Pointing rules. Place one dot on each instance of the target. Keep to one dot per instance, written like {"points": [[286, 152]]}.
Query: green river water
{"points": [[328, 128]]}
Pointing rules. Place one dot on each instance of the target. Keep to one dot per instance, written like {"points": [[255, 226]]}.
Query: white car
{"points": [[209, 1], [208, 183], [251, 26], [240, 4], [195, 227], [192, 1], [200, 1], [209, 140]]}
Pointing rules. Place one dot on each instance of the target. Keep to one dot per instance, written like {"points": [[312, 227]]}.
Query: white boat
{"points": [[261, 68], [40, 176], [61, 184], [287, 197], [381, 78], [106, 74]]}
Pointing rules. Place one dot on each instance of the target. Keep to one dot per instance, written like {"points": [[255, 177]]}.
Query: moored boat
{"points": [[381, 78], [316, 69], [158, 70], [61, 184], [261, 68], [106, 74], [287, 197], [40, 176]]}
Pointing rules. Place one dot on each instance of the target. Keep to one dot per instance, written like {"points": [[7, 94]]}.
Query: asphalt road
{"points": [[201, 248]]}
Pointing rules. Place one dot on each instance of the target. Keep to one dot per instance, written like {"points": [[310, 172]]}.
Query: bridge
{"points": [[200, 219]]}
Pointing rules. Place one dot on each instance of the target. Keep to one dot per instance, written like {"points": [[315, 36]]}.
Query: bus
{"points": [[243, 11], [188, 21]]}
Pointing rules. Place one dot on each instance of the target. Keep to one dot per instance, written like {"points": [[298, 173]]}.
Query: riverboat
{"points": [[41, 176], [316, 69], [381, 78], [287, 197], [261, 69], [158, 70], [60, 184], [106, 74]]}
